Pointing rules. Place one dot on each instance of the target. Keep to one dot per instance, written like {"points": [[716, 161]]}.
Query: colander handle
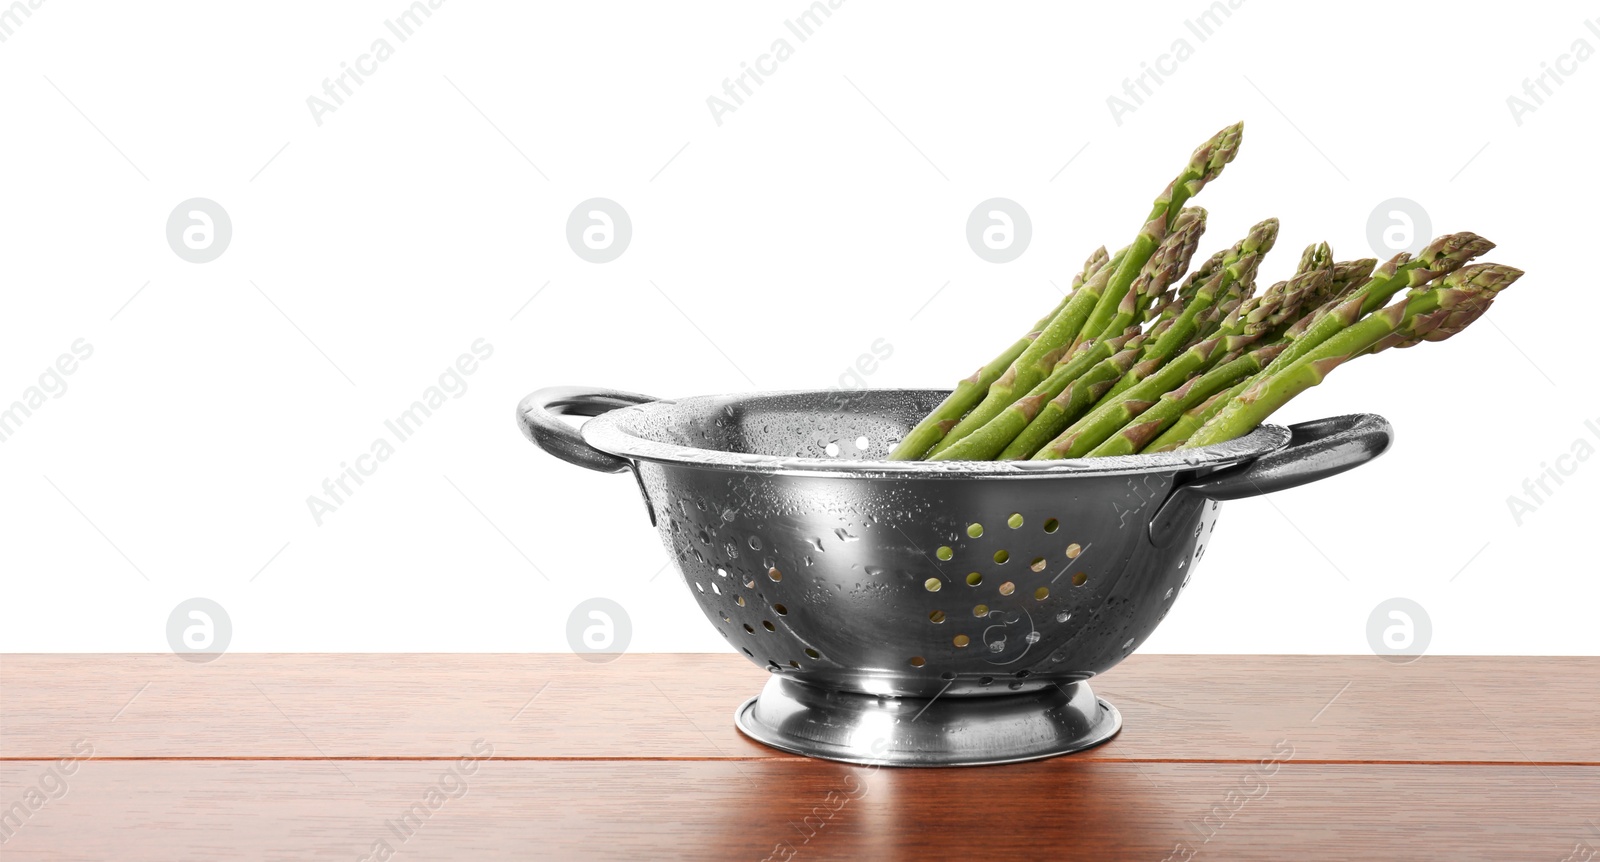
{"points": [[539, 417], [1316, 450]]}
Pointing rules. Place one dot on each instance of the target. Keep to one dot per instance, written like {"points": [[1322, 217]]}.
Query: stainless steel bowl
{"points": [[922, 613]]}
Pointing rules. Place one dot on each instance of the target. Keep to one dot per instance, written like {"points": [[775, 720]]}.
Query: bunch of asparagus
{"points": [[1134, 361]]}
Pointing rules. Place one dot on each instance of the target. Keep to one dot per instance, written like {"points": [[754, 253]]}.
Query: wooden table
{"points": [[299, 757]]}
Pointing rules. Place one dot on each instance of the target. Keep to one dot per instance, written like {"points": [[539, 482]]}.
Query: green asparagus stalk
{"points": [[1162, 269], [1097, 301], [1170, 409], [986, 442], [1205, 164], [1244, 292], [1263, 326], [1432, 314], [1448, 319], [971, 390], [1250, 342], [1049, 418], [1351, 274], [1202, 274], [1153, 380], [1079, 394], [1213, 359], [1206, 373], [1347, 277], [1192, 420], [1077, 397], [1043, 379], [966, 394], [1264, 317], [1237, 267], [1112, 413], [1316, 256], [1298, 294], [1443, 256], [1035, 361], [1038, 444]]}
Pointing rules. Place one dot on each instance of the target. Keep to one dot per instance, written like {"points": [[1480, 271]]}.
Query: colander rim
{"points": [[608, 433]]}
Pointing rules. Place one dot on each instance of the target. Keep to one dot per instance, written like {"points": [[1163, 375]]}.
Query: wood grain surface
{"points": [[1338, 708], [310, 756]]}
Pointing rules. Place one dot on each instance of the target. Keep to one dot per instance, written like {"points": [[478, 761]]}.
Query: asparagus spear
{"points": [[985, 442], [1237, 267], [1263, 326], [1152, 405], [1201, 274], [1072, 442], [969, 391], [1351, 274], [1080, 393], [1252, 344], [1308, 291], [1432, 314], [1047, 419], [1173, 407], [1306, 335], [1193, 419], [1054, 398], [1171, 258], [1042, 413], [1077, 397], [1347, 276], [1144, 385], [1043, 378], [1344, 279], [1251, 341], [1098, 300], [1444, 255], [1205, 164], [1113, 413], [1278, 305], [1315, 256], [1037, 358]]}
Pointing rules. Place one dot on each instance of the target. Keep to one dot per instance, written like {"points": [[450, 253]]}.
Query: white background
{"points": [[768, 253]]}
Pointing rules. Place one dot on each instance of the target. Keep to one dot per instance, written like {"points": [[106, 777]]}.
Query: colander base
{"points": [[951, 731]]}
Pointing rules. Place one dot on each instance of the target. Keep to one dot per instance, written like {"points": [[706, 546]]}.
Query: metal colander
{"points": [[921, 613]]}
